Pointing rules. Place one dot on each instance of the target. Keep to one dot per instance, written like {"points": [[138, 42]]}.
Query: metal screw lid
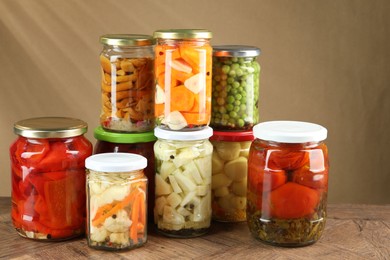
{"points": [[183, 34], [50, 127], [235, 51], [127, 39]]}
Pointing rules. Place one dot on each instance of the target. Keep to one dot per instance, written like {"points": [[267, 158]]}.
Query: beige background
{"points": [[326, 62]]}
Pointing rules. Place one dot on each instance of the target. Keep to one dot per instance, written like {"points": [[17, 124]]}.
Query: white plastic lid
{"points": [[290, 132], [204, 133], [115, 162]]}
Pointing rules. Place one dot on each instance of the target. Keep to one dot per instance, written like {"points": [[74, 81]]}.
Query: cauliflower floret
{"points": [[98, 234], [115, 192], [118, 222], [120, 238]]}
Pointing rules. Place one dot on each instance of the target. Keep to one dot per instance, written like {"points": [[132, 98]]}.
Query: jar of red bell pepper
{"points": [[48, 177], [287, 183], [229, 181], [183, 72], [138, 143]]}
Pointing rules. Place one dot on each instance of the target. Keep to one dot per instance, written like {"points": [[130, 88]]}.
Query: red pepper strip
{"points": [[29, 152], [65, 200]]}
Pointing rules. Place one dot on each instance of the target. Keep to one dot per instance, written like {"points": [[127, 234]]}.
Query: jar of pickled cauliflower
{"points": [[127, 82], [229, 181], [183, 182], [235, 85], [48, 178], [287, 183], [116, 201], [138, 143], [183, 72]]}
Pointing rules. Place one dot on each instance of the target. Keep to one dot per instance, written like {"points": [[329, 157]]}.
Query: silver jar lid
{"points": [[127, 39], [183, 34], [235, 51], [50, 127]]}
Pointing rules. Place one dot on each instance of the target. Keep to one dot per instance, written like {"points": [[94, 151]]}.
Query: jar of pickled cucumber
{"points": [[127, 82], [236, 75], [48, 178], [138, 143], [183, 182], [183, 73], [229, 181], [116, 201], [287, 183]]}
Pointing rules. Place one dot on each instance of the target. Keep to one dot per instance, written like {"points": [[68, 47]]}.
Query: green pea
{"points": [[230, 99], [232, 73], [239, 72], [240, 122], [237, 102], [235, 66], [230, 80], [233, 114], [234, 59], [238, 96], [236, 84], [225, 69]]}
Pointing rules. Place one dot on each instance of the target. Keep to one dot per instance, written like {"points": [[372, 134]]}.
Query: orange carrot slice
{"points": [[182, 99]]}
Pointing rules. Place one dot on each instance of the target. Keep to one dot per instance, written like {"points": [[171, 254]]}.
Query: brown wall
{"points": [[326, 62]]}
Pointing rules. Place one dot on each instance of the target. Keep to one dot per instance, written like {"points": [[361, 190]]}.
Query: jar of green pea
{"points": [[235, 88]]}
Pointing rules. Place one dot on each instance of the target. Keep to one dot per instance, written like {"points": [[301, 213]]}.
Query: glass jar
{"points": [[183, 73], [287, 183], [183, 182], [138, 143], [116, 201], [236, 75], [127, 82], [229, 181], [48, 177]]}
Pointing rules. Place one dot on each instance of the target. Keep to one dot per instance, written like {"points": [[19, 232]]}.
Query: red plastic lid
{"points": [[232, 136]]}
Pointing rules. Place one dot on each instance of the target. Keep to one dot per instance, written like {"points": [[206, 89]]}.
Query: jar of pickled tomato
{"points": [[48, 177], [138, 143], [127, 82], [236, 75], [116, 201], [229, 181], [183, 182], [287, 183], [183, 72]]}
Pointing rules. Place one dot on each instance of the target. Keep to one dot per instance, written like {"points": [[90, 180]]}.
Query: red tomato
{"points": [[261, 180], [292, 200], [286, 159], [315, 180]]}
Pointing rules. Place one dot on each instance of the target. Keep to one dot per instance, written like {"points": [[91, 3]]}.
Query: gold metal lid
{"points": [[183, 34], [127, 39], [50, 127]]}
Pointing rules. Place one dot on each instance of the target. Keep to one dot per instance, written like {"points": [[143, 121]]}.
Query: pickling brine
{"points": [[183, 182], [287, 183], [183, 72]]}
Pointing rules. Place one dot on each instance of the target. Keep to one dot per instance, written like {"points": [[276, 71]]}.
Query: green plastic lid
{"points": [[123, 138]]}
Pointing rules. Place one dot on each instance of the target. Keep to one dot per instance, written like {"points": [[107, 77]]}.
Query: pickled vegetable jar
{"points": [[116, 201], [236, 75], [183, 73], [183, 182], [127, 82], [48, 177], [138, 143], [229, 181], [287, 183]]}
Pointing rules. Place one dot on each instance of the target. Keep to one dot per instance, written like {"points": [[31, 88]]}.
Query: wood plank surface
{"points": [[351, 232]]}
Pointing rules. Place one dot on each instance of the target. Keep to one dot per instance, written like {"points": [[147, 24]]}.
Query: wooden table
{"points": [[352, 232]]}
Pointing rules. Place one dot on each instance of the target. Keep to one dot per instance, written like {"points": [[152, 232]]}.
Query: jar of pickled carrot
{"points": [[127, 82], [116, 201], [138, 143], [229, 181], [48, 177], [287, 183], [183, 72], [236, 75], [183, 182]]}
